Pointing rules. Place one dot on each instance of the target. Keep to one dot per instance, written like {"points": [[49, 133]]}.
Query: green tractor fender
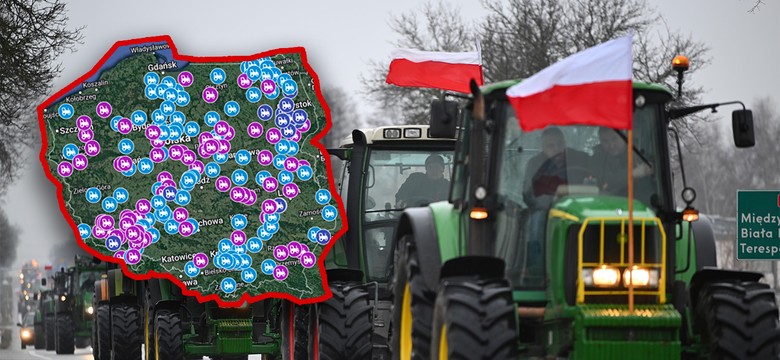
{"points": [[163, 295], [121, 288], [420, 223], [710, 274]]}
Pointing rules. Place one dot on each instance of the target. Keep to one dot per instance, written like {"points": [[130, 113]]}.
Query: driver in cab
{"points": [[551, 168], [422, 188]]}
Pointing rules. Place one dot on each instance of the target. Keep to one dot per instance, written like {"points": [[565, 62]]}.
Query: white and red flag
{"points": [[591, 87], [438, 70]]}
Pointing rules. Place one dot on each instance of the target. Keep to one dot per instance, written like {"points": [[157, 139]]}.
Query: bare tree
{"points": [[438, 27], [9, 239], [343, 114], [33, 33], [521, 37]]}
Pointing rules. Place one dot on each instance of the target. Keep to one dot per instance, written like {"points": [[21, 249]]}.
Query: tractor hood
{"points": [[578, 207]]}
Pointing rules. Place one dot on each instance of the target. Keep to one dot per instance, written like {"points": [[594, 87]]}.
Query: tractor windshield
{"points": [[87, 280], [539, 167], [397, 179]]}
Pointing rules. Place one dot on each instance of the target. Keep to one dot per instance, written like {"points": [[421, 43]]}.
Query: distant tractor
{"points": [[73, 311], [384, 171], [29, 278], [521, 265], [172, 326]]}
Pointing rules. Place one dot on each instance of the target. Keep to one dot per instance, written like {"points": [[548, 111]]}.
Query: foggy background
{"points": [[349, 42]]}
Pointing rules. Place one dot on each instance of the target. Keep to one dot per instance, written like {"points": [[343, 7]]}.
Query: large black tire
{"points": [[410, 295], [126, 334], [149, 319], [294, 325], [474, 319], [40, 338], [739, 320], [49, 333], [102, 323], [343, 326], [168, 342], [64, 333]]}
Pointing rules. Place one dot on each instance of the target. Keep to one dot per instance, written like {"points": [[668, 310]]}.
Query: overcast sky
{"points": [[341, 37]]}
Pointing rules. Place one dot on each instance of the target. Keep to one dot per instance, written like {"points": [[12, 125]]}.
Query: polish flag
{"points": [[438, 70], [591, 87]]}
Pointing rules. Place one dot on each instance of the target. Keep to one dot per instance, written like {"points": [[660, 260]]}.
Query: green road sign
{"points": [[758, 225]]}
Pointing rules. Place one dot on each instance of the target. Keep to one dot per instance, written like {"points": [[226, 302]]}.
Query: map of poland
{"points": [[205, 171]]}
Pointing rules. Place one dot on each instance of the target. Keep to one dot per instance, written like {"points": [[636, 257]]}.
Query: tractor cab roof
{"points": [[387, 134]]}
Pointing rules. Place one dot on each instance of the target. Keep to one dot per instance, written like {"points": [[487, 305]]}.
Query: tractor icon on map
{"points": [[124, 127], [248, 275], [265, 158], [286, 106], [240, 178], [70, 152], [281, 273], [329, 214], [132, 257], [171, 227], [288, 131], [273, 136], [151, 79], [265, 113], [189, 180], [245, 81], [304, 173], [132, 234], [167, 108], [307, 260], [66, 111], [181, 99], [151, 92], [183, 198], [200, 261], [253, 73], [143, 207], [294, 250], [243, 158], [289, 191], [180, 216], [271, 227], [120, 196], [170, 194], [125, 147], [227, 286], [103, 110], [185, 79], [253, 95], [268, 267], [217, 76], [191, 269], [144, 166], [239, 222], [157, 156], [268, 208], [254, 246], [159, 117], [288, 87], [322, 238], [268, 87], [113, 244], [280, 253], [83, 123], [211, 96], [231, 109]]}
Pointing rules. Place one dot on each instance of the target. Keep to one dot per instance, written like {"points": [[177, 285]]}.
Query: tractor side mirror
{"points": [[444, 116], [742, 127]]}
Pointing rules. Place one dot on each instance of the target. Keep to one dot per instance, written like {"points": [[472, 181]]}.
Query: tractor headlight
{"points": [[641, 277], [603, 276], [63, 298], [26, 334], [90, 310]]}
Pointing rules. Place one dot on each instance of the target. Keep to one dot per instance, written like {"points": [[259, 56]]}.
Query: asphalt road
{"points": [[15, 352]]}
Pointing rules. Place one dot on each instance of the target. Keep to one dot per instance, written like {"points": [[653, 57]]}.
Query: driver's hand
{"points": [[400, 204], [642, 171]]}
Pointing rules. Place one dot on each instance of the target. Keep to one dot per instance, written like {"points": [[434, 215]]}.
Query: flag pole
{"points": [[631, 219]]}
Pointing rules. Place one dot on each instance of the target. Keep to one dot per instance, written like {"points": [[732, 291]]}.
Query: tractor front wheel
{"points": [[40, 338], [474, 319], [168, 342], [412, 305], [739, 320], [342, 326], [49, 333], [102, 324], [63, 337], [125, 332]]}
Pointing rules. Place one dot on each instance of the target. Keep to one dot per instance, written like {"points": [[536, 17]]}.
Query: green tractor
{"points": [[170, 326], [44, 318], [384, 170], [519, 265], [73, 310]]}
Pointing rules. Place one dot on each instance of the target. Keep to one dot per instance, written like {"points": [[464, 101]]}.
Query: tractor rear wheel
{"points": [[168, 342], [412, 305], [342, 326], [63, 337], [126, 332], [49, 333], [102, 324], [474, 319], [739, 320]]}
